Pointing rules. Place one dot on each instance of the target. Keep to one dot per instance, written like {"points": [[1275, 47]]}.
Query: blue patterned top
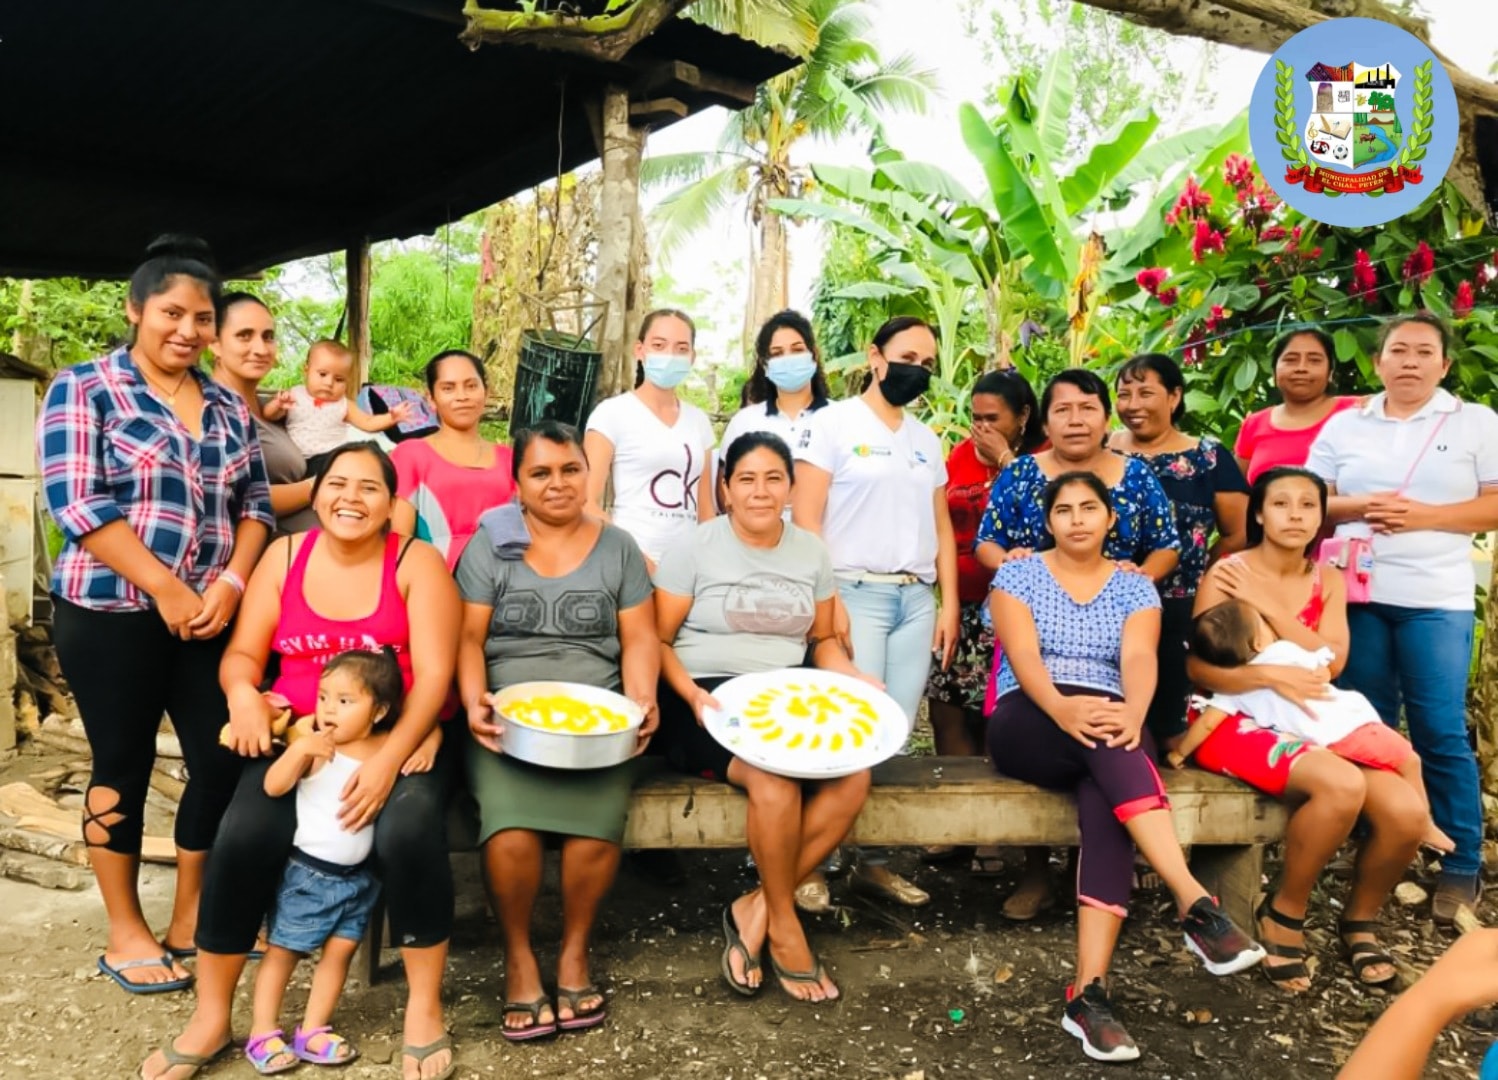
{"points": [[1192, 480], [1016, 516], [1079, 643]]}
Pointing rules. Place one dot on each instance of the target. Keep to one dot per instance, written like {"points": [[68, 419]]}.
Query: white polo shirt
{"points": [[757, 417], [1363, 451], [881, 515]]}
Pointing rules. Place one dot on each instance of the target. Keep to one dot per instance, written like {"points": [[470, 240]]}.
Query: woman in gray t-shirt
{"points": [[750, 592], [551, 593]]}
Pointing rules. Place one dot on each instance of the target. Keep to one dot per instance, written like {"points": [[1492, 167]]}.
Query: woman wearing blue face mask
{"points": [[651, 447], [787, 386]]}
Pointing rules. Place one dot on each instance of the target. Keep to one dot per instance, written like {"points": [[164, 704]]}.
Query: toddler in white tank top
{"points": [[327, 892]]}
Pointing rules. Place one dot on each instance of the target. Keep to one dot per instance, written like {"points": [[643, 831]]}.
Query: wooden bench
{"points": [[941, 800]]}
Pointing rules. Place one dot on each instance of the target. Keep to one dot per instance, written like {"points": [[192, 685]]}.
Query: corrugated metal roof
{"points": [[281, 128]]}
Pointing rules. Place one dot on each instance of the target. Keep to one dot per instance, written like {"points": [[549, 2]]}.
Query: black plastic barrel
{"points": [[554, 380]]}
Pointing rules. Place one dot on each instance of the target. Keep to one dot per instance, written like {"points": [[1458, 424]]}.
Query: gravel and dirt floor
{"points": [[948, 991]]}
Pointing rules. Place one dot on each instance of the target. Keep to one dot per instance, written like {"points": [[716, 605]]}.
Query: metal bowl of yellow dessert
{"points": [[567, 725]]}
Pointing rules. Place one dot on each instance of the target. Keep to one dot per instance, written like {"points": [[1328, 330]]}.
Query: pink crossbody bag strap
{"points": [[1440, 423]]}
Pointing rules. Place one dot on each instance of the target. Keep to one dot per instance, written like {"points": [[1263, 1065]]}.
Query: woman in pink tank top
{"points": [[348, 584]]}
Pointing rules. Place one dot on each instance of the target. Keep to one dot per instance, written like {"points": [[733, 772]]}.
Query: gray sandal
{"points": [[181, 1059], [736, 944], [421, 1053], [815, 975]]}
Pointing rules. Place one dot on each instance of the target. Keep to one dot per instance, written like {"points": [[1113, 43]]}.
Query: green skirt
{"points": [[514, 794]]}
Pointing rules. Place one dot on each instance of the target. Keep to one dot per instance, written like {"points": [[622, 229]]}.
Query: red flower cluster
{"points": [[1420, 265], [1214, 318], [1192, 199], [1206, 239], [1464, 301], [1238, 171], [1150, 280], [1195, 349], [1168, 296], [1364, 285], [1272, 233]]}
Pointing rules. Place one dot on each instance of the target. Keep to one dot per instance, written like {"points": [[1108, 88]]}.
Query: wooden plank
{"points": [[357, 310], [930, 800], [1232, 874]]}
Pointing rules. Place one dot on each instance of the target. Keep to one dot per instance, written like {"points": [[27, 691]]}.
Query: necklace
{"points": [[482, 458], [170, 395]]}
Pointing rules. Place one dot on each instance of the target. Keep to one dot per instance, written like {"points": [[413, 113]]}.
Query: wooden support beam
{"points": [[673, 75], [656, 109], [619, 208], [357, 308]]}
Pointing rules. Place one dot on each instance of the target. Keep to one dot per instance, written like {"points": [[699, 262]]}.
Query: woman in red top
{"points": [[347, 584], [1326, 793], [1282, 434], [1006, 424]]}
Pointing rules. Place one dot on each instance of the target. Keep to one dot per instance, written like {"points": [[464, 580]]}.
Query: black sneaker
{"points": [[1089, 1016], [1214, 937]]}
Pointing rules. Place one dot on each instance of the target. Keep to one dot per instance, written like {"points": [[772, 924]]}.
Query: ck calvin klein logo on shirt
{"points": [[673, 490]]}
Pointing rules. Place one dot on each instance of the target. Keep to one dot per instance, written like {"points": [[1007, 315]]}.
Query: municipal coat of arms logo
{"points": [[1352, 140], [1353, 121]]}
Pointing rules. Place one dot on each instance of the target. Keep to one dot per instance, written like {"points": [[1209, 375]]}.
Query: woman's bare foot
{"points": [[424, 1027], [142, 946], [202, 1042], [752, 920], [522, 984], [1437, 840], [796, 957], [572, 971], [1272, 933]]}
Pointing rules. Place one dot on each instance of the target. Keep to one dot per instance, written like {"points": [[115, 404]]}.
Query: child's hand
{"points": [[401, 411], [425, 755], [278, 406], [317, 747], [1176, 760]]}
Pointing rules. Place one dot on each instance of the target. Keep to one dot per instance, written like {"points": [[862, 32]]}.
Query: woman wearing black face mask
{"points": [[871, 481]]}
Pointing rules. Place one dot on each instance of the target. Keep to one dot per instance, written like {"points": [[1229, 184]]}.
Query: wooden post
{"points": [[620, 146], [357, 301], [1485, 695]]}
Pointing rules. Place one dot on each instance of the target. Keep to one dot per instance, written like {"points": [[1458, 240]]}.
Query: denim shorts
{"points": [[317, 901]]}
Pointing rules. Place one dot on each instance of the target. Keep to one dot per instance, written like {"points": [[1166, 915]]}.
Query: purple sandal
{"points": [[336, 1051], [262, 1050]]}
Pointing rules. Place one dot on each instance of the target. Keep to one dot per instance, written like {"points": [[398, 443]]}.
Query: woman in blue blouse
{"points": [[1078, 673], [153, 474], [1210, 497], [1075, 407]]}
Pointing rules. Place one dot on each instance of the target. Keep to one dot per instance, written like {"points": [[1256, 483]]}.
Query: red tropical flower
{"points": [[1193, 196], [1464, 301], [1150, 280], [1238, 171], [1364, 285], [1206, 239], [1272, 233], [1420, 265], [1168, 296], [1214, 318]]}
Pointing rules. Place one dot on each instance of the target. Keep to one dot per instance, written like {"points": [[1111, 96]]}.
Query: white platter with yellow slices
{"points": [[806, 724]]}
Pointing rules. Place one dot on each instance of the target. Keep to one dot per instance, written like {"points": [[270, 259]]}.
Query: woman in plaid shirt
{"points": [[154, 476]]}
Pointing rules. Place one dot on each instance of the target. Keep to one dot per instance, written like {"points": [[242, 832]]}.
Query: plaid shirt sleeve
{"points": [[254, 488], [70, 449]]}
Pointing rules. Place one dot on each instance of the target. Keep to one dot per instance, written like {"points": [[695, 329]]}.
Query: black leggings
{"points": [[125, 669], [410, 857], [1166, 717]]}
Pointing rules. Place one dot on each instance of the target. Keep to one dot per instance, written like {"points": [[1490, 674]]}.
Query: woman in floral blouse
{"points": [[1210, 497], [1075, 407]]}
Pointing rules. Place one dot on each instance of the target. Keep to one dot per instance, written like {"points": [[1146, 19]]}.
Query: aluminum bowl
{"points": [[566, 749]]}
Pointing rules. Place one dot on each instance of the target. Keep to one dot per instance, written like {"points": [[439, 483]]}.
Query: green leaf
{"points": [[1109, 157], [1199, 402], [1346, 343], [871, 290], [1245, 374], [837, 215], [1021, 217], [1298, 286], [926, 179], [1053, 104]]}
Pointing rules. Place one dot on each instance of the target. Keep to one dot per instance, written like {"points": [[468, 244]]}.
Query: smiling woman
{"points": [[153, 474], [449, 479]]}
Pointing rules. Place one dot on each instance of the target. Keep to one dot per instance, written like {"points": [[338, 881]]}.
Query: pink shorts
{"points": [[1375, 745]]}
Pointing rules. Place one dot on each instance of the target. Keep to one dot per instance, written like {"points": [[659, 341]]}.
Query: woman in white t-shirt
{"points": [[1414, 472], [651, 447], [787, 386], [872, 481]]}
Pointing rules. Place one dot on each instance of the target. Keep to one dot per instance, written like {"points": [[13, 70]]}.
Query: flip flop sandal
{"points": [[421, 1053], [262, 1050], [736, 944], [535, 1029], [181, 1059], [116, 973], [582, 1019], [1280, 973], [815, 975], [1363, 955], [336, 1051], [191, 951]]}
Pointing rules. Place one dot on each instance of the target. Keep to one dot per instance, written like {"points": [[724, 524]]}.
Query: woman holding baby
{"points": [[1327, 794]]}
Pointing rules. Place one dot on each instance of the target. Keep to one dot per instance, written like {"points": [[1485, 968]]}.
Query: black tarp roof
{"points": [[276, 129]]}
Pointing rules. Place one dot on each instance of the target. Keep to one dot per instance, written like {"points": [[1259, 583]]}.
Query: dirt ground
{"points": [[948, 991]]}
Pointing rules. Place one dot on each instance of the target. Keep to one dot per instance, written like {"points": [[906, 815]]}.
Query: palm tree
{"points": [[843, 85]]}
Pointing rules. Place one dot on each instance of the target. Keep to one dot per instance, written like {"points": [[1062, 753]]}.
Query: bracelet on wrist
{"points": [[233, 580]]}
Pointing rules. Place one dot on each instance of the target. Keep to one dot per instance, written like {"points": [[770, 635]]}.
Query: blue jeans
{"points": [[892, 627], [1419, 658]]}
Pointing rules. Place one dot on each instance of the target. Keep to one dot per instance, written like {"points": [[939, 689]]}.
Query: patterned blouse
{"points": [[1016, 516], [1192, 480], [1079, 643], [111, 451]]}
